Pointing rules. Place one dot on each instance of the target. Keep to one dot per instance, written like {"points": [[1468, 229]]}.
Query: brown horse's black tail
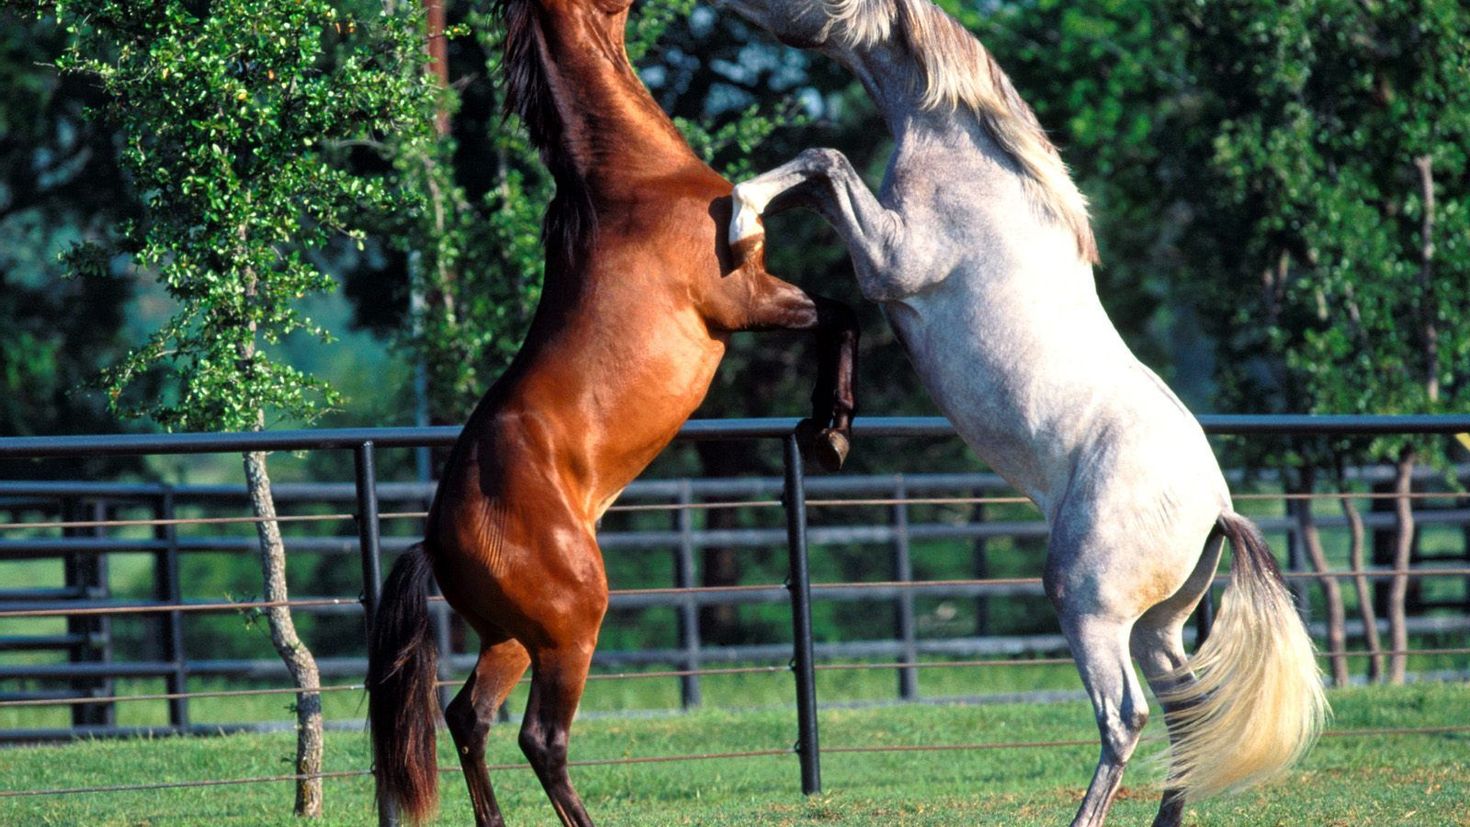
{"points": [[402, 665]]}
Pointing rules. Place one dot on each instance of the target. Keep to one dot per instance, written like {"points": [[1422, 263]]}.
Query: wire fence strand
{"points": [[707, 506], [1092, 742], [163, 608], [908, 585], [767, 669], [708, 756], [173, 696], [181, 521]]}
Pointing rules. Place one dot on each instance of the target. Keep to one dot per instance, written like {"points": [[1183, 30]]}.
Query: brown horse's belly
{"points": [[607, 398], [658, 393]]}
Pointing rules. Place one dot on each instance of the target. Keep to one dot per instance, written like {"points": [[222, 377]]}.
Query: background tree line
{"points": [[1279, 192]]}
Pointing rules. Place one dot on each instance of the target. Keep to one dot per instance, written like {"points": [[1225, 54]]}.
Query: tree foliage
{"points": [[1340, 154], [1107, 81], [235, 122]]}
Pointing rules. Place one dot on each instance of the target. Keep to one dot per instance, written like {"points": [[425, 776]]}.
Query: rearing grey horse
{"points": [[979, 249]]}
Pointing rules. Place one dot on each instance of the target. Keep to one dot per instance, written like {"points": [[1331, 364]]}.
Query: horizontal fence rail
{"points": [[38, 447], [87, 537]]}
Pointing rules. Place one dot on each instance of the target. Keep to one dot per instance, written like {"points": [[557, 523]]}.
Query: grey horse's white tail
{"points": [[1256, 704]]}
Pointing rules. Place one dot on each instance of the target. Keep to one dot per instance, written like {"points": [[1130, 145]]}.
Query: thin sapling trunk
{"points": [[298, 659], [1366, 611], [1398, 629], [1336, 616]]}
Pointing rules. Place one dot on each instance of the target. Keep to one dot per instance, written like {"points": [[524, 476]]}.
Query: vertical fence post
{"points": [[439, 620], [369, 544], [903, 572], [77, 629], [1296, 563], [1465, 556], [372, 567], [86, 579], [689, 694], [101, 587], [981, 557], [168, 589], [799, 583]]}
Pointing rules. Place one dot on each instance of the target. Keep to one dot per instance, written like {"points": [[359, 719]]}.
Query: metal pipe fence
{"points": [[85, 545]]}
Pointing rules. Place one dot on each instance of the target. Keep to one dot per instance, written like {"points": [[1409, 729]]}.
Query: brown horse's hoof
{"points": [[827, 447], [831, 449]]}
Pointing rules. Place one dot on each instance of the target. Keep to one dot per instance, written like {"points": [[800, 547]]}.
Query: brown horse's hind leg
{"points": [[557, 681], [469, 716]]}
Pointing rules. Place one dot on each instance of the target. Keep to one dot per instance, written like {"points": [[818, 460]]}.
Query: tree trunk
{"points": [[1331, 591], [1398, 631], [1365, 593], [298, 659], [1428, 327]]}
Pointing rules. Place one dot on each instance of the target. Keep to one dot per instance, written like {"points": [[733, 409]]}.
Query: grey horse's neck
{"points": [[895, 83]]}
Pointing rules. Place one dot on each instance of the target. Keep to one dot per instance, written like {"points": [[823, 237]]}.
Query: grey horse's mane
{"points": [[960, 72]]}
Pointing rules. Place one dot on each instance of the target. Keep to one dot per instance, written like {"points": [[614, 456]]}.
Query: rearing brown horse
{"points": [[641, 295]]}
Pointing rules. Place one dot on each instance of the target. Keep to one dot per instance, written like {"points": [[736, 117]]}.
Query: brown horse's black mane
{"points": [[570, 223]]}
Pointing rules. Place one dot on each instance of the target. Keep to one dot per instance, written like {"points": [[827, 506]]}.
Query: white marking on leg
{"points": [[746, 221]]}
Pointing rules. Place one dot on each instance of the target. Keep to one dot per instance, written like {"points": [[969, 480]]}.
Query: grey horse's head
{"points": [[805, 24]]}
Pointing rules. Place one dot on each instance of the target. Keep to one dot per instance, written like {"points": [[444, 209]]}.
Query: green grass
{"points": [[657, 696], [1355, 781]]}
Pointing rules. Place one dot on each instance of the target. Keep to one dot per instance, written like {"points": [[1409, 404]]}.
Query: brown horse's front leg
{"points": [[755, 300], [828, 433]]}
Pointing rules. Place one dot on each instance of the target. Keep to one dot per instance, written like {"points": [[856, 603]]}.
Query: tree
{"points": [[236, 116], [1339, 162]]}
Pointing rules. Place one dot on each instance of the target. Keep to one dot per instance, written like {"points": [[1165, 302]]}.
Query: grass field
{"points": [[1414, 779]]}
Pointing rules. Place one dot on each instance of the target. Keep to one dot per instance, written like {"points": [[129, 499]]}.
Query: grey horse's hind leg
{"points": [[1158, 646], [1160, 652], [1100, 646]]}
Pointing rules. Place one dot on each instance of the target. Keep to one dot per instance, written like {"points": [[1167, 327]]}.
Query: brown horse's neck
{"points": [[587, 110]]}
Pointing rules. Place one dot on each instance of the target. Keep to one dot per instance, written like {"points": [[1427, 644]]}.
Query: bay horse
{"points": [[979, 249], [641, 295]]}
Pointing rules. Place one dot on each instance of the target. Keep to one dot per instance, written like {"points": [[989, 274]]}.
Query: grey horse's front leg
{"points": [[825, 179]]}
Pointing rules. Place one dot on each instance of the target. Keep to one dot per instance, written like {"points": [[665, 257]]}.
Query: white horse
{"points": [[979, 249]]}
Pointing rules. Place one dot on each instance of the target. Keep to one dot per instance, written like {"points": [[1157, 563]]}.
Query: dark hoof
{"points": [[827, 447], [831, 449]]}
